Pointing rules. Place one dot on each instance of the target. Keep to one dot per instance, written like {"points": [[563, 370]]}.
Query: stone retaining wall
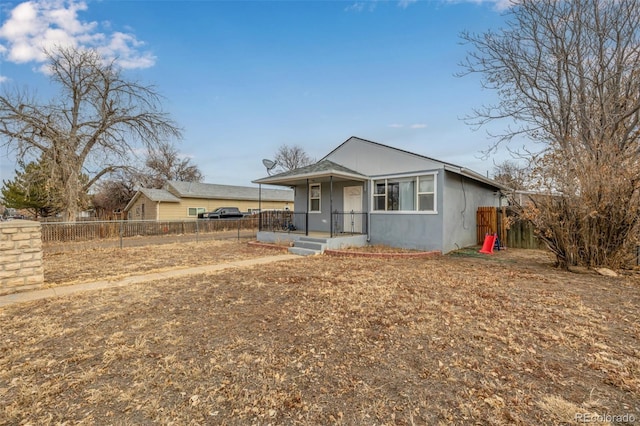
{"points": [[20, 256]]}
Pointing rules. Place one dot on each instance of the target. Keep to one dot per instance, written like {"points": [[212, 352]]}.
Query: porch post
{"points": [[306, 213], [259, 207], [331, 205]]}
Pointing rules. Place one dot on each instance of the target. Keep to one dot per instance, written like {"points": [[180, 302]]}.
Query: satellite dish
{"points": [[269, 164]]}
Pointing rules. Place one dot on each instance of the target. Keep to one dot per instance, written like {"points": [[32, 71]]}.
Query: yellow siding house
{"points": [[184, 200]]}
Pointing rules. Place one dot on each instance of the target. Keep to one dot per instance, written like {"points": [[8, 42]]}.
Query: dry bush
{"points": [[584, 219], [566, 75]]}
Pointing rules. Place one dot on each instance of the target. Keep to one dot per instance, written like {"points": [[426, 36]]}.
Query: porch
{"points": [[330, 204], [290, 222], [346, 229]]}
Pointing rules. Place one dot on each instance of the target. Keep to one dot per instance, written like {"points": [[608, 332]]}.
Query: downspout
{"points": [[306, 213], [331, 206], [259, 207], [369, 208]]}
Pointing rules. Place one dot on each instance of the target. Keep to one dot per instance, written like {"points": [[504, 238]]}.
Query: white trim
{"points": [[372, 196], [319, 198], [463, 171], [280, 180], [406, 174], [418, 193]]}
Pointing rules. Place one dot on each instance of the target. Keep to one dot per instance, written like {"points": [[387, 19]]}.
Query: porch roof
{"points": [[321, 171]]}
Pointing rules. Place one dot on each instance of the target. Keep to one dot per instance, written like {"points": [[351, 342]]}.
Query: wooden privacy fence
{"points": [[512, 233], [521, 234], [490, 220], [96, 230]]}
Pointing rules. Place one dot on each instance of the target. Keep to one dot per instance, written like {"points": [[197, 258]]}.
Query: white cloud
{"points": [[359, 6], [498, 5], [504, 4], [45, 24], [125, 48], [3, 79], [405, 3], [412, 126], [355, 7]]}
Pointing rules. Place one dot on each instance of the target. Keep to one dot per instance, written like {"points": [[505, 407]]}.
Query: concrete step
{"points": [[313, 240], [303, 251], [310, 245]]}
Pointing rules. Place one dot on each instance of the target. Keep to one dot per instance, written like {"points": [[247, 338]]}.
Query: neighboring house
{"points": [[184, 200], [394, 197]]}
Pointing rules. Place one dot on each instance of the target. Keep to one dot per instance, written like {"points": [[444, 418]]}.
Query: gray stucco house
{"points": [[377, 194]]}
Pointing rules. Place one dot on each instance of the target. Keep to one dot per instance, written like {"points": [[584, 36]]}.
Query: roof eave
{"points": [[291, 179], [475, 176], [132, 201]]}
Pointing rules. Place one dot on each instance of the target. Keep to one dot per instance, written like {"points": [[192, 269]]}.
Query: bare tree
{"points": [[165, 163], [516, 177], [511, 174], [568, 74], [292, 157], [112, 195], [91, 127]]}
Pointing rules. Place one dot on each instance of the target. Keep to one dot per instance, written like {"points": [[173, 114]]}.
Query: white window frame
{"points": [[197, 209], [416, 177], [376, 196], [418, 193], [319, 197]]}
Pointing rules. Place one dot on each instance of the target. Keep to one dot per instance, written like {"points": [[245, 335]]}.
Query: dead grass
{"points": [[325, 340], [379, 248], [71, 267]]}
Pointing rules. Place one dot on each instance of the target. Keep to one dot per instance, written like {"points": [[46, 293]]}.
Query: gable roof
{"points": [[158, 195], [322, 168], [450, 167], [372, 167], [381, 145], [227, 192]]}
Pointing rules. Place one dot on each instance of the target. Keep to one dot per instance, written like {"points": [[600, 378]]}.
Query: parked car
{"points": [[223, 213]]}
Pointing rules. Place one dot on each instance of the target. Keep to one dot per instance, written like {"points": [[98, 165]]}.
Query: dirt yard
{"points": [[457, 339]]}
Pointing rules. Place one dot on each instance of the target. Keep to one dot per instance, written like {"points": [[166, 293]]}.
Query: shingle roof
{"points": [[319, 167], [229, 192], [159, 195], [322, 168]]}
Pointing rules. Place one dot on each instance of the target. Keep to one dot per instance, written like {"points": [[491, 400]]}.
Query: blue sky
{"points": [[244, 77]]}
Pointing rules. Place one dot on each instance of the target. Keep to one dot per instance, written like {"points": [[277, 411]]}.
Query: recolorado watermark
{"points": [[604, 418]]}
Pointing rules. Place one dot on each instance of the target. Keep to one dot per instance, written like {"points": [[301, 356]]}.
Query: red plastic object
{"points": [[489, 242]]}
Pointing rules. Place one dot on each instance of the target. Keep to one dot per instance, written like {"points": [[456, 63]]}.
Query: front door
{"points": [[352, 203]]}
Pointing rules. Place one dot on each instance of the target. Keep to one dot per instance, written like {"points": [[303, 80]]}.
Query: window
{"points": [[426, 193], [416, 193], [314, 197], [193, 211], [379, 195]]}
